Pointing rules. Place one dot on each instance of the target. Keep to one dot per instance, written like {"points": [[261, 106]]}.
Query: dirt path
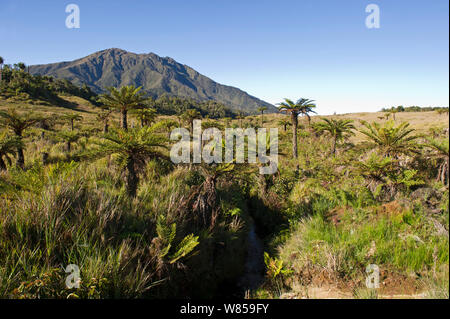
{"points": [[254, 265]]}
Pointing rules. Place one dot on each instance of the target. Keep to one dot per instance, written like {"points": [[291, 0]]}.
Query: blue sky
{"points": [[318, 49]]}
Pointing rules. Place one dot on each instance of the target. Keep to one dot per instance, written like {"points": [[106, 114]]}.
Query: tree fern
{"points": [[124, 99], [8, 148], [391, 140], [184, 247], [338, 129]]}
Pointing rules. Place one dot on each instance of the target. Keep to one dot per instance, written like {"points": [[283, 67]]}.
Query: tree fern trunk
{"points": [[294, 120], [132, 178], [20, 158], [124, 120], [2, 165], [334, 146], [444, 173], [448, 169], [263, 185], [439, 174], [44, 158]]}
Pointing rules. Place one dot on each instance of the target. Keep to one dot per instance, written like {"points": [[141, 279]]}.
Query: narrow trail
{"points": [[253, 275]]}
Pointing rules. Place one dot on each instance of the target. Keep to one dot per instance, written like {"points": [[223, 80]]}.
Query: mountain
{"points": [[157, 75]]}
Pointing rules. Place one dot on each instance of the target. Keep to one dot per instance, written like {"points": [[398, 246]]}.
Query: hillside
{"points": [[157, 76]]}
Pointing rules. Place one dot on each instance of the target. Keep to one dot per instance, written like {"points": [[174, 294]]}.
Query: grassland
{"points": [[420, 121], [185, 232]]}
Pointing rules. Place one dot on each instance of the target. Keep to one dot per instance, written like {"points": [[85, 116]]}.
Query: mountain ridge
{"points": [[157, 75]]}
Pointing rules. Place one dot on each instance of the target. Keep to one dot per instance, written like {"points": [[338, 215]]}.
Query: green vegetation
{"points": [[301, 107], [125, 99], [18, 85], [391, 140], [17, 124], [378, 202], [338, 129], [133, 148], [8, 149], [99, 193], [189, 116]]}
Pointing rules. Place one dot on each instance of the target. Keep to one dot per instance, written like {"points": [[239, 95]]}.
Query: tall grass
{"points": [[80, 214]]}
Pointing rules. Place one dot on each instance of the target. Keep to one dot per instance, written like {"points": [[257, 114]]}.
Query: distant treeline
{"points": [[16, 82], [402, 108], [171, 105]]}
